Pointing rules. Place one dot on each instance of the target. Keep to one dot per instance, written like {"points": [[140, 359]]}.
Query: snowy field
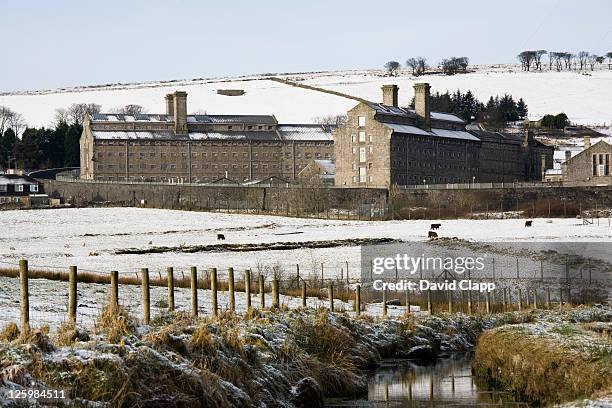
{"points": [[89, 238], [584, 98]]}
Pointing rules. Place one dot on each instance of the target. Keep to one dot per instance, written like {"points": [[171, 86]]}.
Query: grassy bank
{"points": [[277, 359], [548, 361]]}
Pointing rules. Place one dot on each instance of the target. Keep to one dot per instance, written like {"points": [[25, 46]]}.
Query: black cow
{"points": [[220, 237], [435, 226], [432, 235], [528, 223]]}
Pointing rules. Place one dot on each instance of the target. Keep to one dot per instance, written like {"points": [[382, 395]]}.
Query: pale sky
{"points": [[51, 44]]}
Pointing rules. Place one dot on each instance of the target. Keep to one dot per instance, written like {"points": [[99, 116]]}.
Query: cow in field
{"points": [[432, 235], [220, 237], [528, 223], [435, 226]]}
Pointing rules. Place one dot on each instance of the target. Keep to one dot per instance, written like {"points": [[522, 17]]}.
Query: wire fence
{"points": [[47, 294]]}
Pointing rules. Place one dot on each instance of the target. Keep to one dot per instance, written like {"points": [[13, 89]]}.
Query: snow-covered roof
{"points": [[162, 118], [6, 179], [446, 133], [410, 113], [306, 132]]}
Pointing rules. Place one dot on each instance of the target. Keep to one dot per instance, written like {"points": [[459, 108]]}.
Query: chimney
{"points": [[568, 155], [390, 95], [180, 112], [421, 103], [587, 142], [527, 138], [170, 105]]}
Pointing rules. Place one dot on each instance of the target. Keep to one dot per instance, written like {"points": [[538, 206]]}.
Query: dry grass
{"points": [[9, 332], [548, 368], [116, 322]]}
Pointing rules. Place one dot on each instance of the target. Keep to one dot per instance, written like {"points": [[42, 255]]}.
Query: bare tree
{"points": [[568, 58], [418, 65], [526, 58], [61, 116], [609, 55], [77, 111], [594, 59], [5, 115], [538, 58], [583, 56], [392, 67], [331, 120], [453, 65], [17, 123], [130, 109]]}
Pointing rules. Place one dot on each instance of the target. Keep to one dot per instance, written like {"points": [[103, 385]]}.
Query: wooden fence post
{"points": [[194, 291], [449, 294], [304, 294], [330, 295], [548, 298], [170, 273], [488, 302], [384, 302], [247, 288], [114, 278], [72, 294], [429, 305], [469, 302], [504, 305], [358, 300], [407, 301], [275, 294], [262, 293], [24, 297], [520, 300], [213, 290], [146, 298], [230, 288], [535, 298]]}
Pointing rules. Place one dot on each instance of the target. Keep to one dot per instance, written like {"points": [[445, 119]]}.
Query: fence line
{"points": [[513, 295]]}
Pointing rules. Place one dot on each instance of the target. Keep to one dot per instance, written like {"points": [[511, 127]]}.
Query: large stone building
{"points": [[177, 147], [383, 144], [590, 166]]}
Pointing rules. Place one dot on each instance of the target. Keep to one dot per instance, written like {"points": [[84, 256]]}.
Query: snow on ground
{"points": [[88, 238], [582, 97]]}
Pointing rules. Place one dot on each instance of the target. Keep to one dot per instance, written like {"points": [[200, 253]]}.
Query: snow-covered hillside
{"points": [[584, 98]]}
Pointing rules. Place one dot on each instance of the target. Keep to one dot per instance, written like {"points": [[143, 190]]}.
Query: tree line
{"points": [[495, 114], [560, 60], [418, 65], [47, 147]]}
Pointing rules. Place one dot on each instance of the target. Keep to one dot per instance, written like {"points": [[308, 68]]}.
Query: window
{"points": [[2, 188], [362, 174], [18, 187], [33, 188], [362, 137], [353, 138], [362, 154], [361, 121]]}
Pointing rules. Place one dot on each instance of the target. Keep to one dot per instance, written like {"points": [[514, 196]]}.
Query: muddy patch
{"points": [[277, 246]]}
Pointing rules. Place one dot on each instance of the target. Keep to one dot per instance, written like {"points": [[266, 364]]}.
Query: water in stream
{"points": [[447, 383]]}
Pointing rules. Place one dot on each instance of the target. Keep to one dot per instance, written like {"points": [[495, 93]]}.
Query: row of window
{"points": [[193, 166], [20, 188], [307, 155], [601, 164]]}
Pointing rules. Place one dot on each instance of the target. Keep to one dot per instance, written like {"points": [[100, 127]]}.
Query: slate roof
{"points": [[16, 179], [162, 118], [435, 132], [410, 113]]}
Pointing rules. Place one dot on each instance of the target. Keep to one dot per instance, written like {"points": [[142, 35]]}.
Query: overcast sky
{"points": [[50, 44]]}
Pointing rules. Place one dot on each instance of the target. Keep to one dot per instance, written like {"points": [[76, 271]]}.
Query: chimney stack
{"points": [[390, 95], [587, 142], [180, 112], [568, 155], [170, 105], [421, 103]]}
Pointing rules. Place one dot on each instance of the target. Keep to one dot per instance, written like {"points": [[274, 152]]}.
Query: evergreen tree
{"points": [[71, 145], [7, 143], [521, 109]]}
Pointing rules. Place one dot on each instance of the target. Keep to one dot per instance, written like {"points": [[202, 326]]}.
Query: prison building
{"points": [[177, 147], [383, 144], [591, 166]]}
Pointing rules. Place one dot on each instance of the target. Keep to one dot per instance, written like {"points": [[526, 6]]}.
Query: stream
{"points": [[445, 383]]}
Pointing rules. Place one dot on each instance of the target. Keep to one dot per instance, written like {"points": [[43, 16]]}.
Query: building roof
{"points": [[306, 132], [489, 136], [162, 118], [410, 113], [284, 132], [444, 133], [327, 165], [16, 179]]}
